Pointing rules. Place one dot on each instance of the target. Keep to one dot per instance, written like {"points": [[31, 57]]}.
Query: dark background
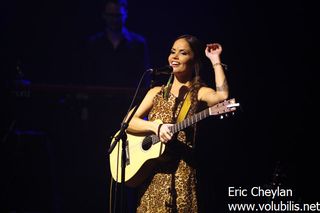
{"points": [[54, 139]]}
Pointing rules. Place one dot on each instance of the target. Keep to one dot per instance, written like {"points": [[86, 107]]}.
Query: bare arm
{"points": [[221, 92], [137, 123]]}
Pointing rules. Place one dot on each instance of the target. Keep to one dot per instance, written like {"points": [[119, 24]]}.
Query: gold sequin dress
{"points": [[172, 187]]}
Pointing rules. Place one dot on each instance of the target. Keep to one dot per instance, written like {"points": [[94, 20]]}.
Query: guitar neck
{"points": [[218, 109], [189, 121]]}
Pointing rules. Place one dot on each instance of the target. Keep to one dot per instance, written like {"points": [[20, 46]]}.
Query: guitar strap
{"points": [[185, 107]]}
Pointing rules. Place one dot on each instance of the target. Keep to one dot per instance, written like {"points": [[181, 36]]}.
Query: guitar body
{"points": [[142, 152]]}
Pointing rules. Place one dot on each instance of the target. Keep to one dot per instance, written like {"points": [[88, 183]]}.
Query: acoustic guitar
{"points": [[142, 150]]}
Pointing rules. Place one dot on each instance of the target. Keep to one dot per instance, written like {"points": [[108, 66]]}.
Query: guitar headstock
{"points": [[224, 107]]}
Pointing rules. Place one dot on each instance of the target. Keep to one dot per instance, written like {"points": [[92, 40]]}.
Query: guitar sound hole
{"points": [[147, 143]]}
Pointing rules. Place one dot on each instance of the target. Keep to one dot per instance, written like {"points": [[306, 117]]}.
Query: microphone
{"points": [[166, 70]]}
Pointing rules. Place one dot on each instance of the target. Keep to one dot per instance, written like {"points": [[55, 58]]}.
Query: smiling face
{"points": [[181, 57]]}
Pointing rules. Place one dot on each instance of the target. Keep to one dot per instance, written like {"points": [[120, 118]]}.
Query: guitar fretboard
{"points": [[189, 121]]}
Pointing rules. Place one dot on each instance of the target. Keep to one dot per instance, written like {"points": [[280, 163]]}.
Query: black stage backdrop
{"points": [[56, 131]]}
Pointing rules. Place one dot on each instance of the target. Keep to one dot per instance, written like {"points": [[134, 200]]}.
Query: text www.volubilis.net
{"points": [[272, 206]]}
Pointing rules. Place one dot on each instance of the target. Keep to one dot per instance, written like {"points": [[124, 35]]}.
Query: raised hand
{"points": [[213, 52]]}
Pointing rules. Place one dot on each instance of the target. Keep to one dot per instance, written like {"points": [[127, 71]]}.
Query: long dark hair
{"points": [[198, 50]]}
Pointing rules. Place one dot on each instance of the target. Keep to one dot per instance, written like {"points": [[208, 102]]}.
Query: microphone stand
{"points": [[123, 136], [152, 78]]}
